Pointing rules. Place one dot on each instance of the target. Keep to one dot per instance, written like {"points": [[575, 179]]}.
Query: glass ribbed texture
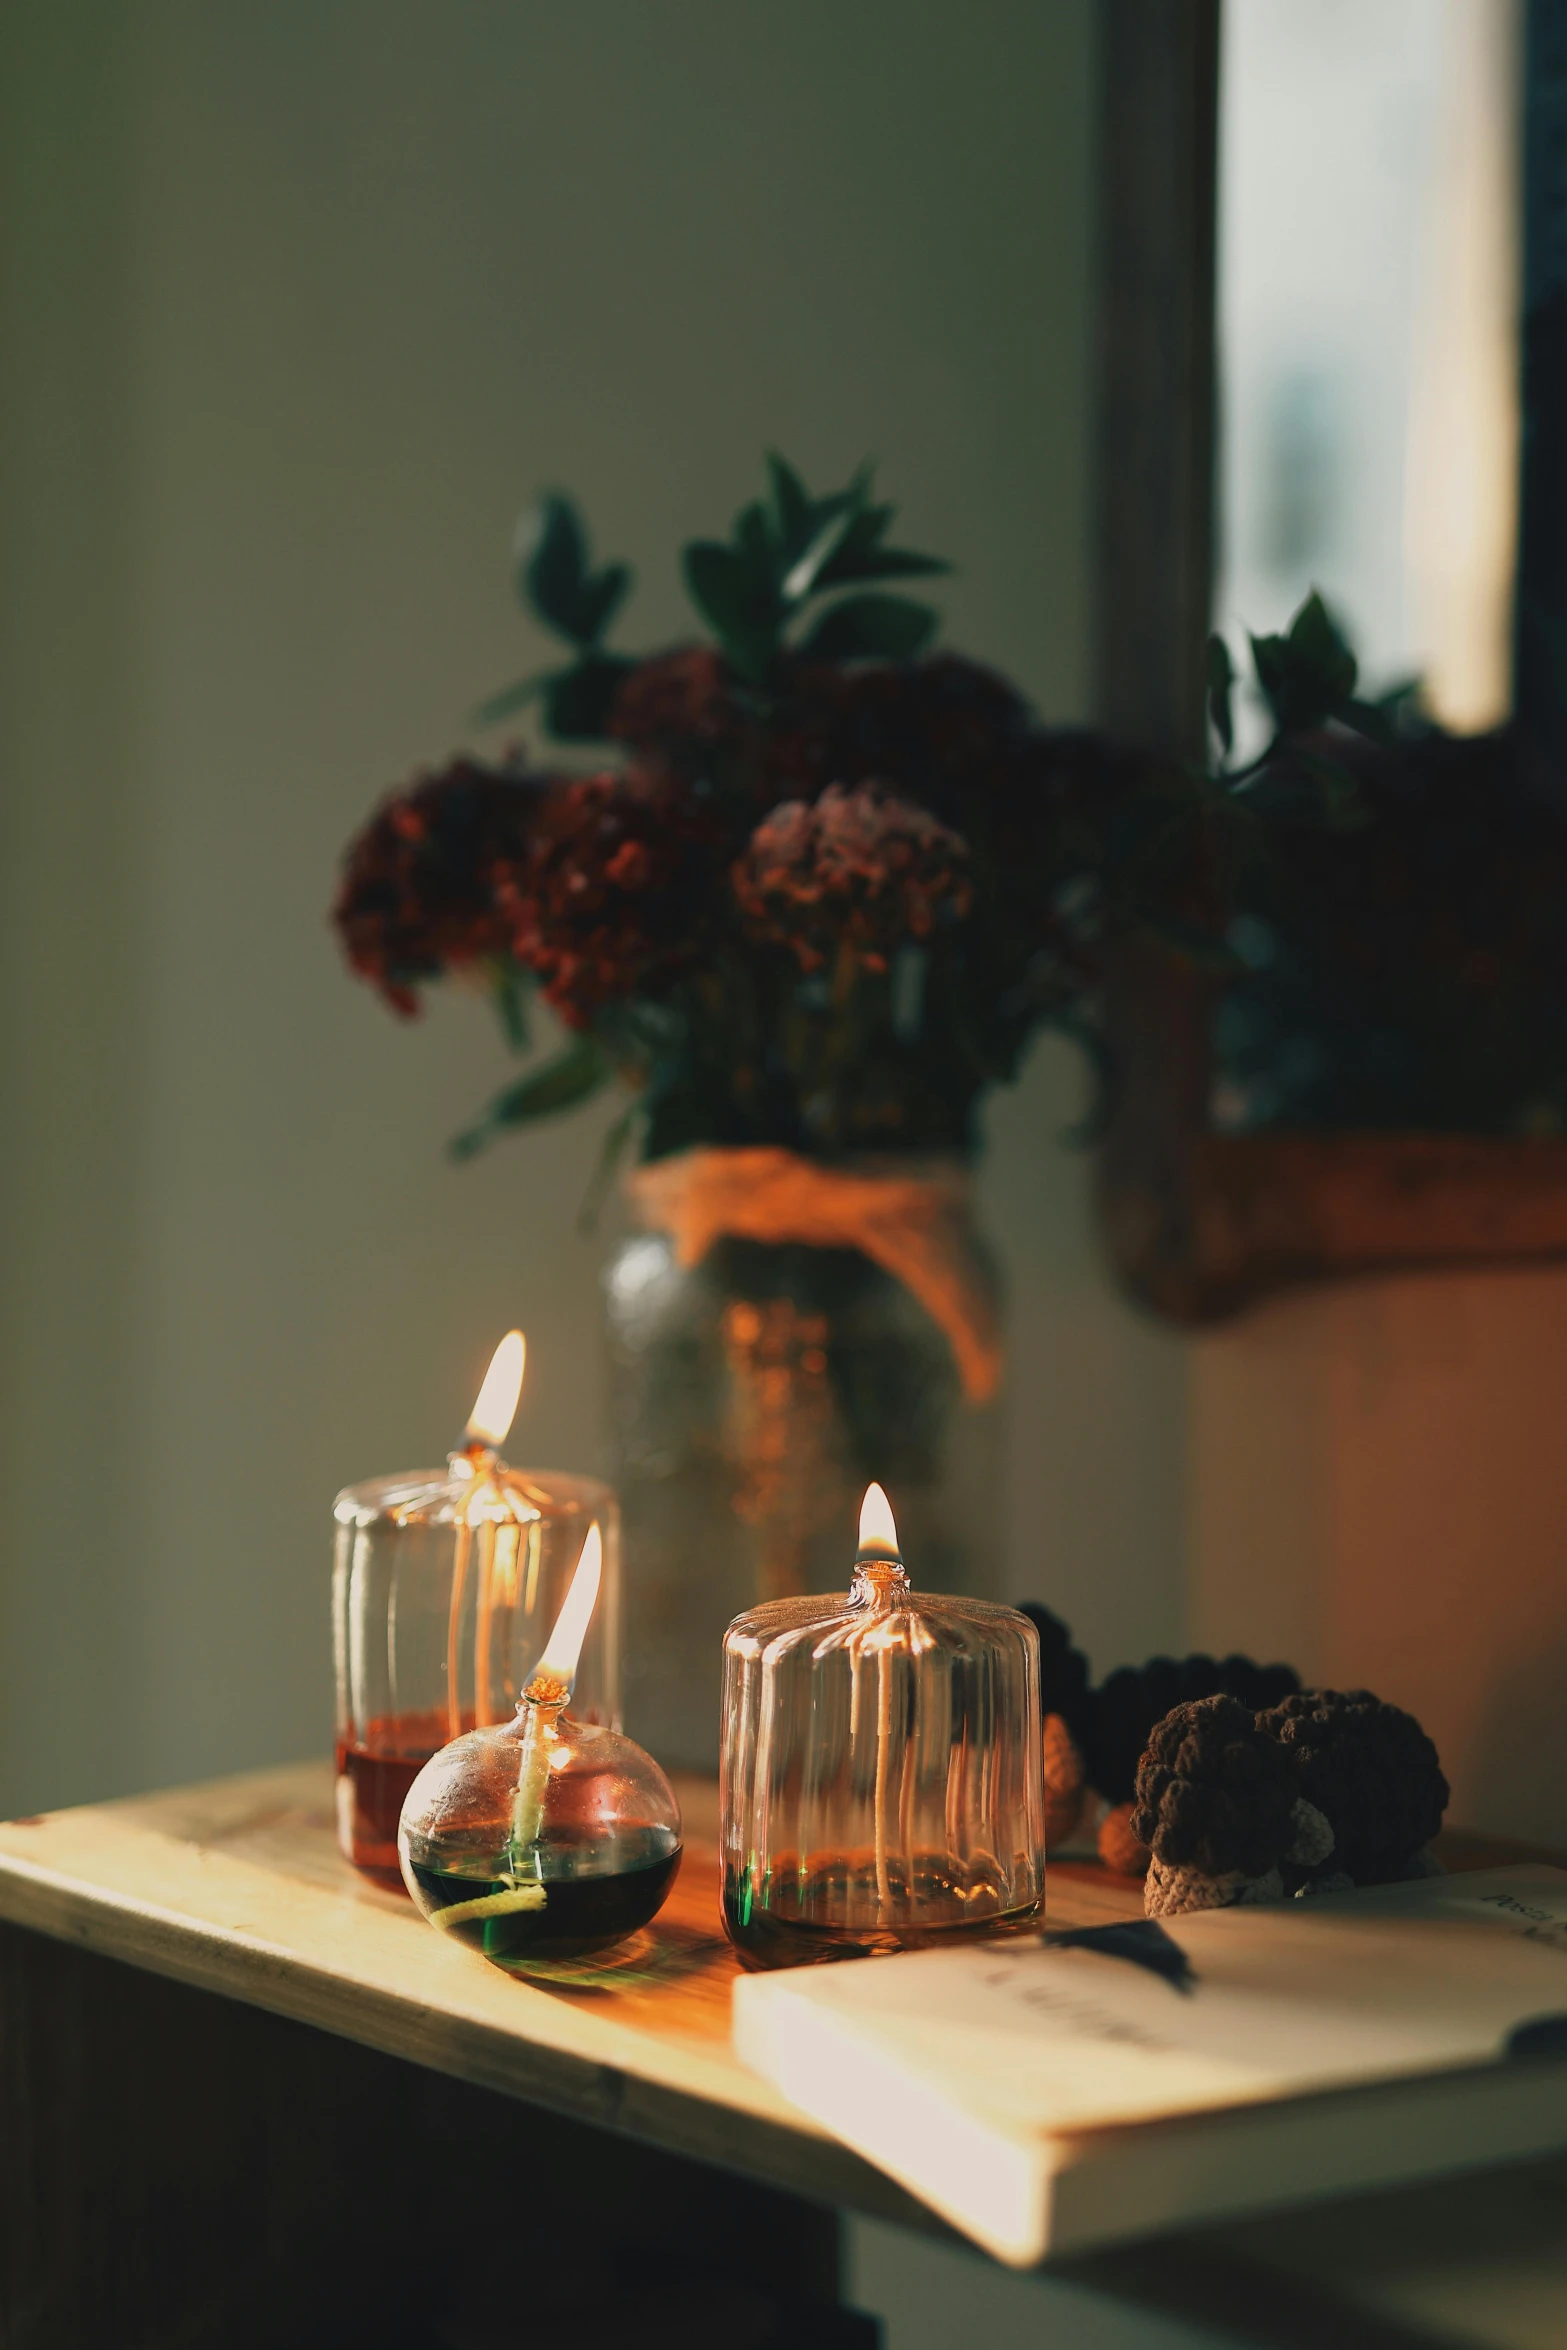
{"points": [[881, 1780], [412, 1670]]}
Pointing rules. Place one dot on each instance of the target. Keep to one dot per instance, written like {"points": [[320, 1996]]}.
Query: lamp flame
{"points": [[564, 1646], [490, 1420], [878, 1527]]}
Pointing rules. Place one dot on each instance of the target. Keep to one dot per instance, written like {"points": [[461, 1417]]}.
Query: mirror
{"points": [[1369, 188], [1355, 213]]}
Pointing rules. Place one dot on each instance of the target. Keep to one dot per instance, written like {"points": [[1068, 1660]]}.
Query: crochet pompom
{"points": [[1370, 1769], [1063, 1672], [1128, 1704], [1122, 1852], [1215, 1792], [1065, 1788]]}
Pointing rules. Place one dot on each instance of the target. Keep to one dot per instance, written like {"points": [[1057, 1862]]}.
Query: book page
{"points": [[1284, 1999]]}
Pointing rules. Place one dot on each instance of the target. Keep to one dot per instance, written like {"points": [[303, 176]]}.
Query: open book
{"points": [[1045, 2098]]}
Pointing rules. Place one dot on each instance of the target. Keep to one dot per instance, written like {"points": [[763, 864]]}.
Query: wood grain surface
{"points": [[151, 2119], [1202, 1225], [237, 1887]]}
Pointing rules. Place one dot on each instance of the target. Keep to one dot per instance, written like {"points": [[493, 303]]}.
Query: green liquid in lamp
{"points": [[807, 1917], [592, 1895]]}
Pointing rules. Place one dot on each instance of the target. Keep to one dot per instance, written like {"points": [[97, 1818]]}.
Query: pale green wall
{"points": [[301, 300]]}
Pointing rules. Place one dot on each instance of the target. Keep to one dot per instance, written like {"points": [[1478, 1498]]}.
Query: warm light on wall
{"points": [[1461, 501]]}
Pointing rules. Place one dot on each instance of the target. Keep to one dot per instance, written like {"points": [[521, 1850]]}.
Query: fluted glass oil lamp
{"points": [[444, 1582], [881, 1778], [548, 1836]]}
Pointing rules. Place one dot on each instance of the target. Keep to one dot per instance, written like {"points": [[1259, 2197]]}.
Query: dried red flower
{"points": [[940, 726], [681, 706], [616, 896], [859, 867], [419, 892]]}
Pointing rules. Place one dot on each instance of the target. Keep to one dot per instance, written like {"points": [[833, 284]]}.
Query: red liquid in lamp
{"points": [[374, 1774]]}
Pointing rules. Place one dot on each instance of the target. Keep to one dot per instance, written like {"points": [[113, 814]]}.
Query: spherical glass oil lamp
{"points": [[548, 1836], [882, 1786], [444, 1583]]}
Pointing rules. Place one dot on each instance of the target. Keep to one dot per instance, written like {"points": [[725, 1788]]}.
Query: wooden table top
{"points": [[237, 1887]]}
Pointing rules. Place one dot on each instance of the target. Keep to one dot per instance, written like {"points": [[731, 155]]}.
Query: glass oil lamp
{"points": [[444, 1583], [548, 1836], [882, 1786]]}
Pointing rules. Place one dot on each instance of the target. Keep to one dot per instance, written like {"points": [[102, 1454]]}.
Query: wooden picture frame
{"points": [[1201, 1224]]}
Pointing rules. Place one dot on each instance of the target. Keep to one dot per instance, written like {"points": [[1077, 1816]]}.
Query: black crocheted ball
{"points": [[1371, 1769], [1214, 1791], [1063, 1670], [1123, 1711]]}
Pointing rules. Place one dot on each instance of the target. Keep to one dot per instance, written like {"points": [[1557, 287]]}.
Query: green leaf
{"points": [[801, 580], [611, 1151], [1221, 681], [1391, 718], [849, 568], [740, 608], [871, 628], [573, 1076], [552, 562], [753, 536], [578, 700], [1309, 674], [1270, 659], [510, 990], [554, 578], [511, 699], [1320, 647], [791, 504], [861, 556], [858, 492], [602, 597]]}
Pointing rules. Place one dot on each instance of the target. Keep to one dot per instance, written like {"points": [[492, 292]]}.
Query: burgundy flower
{"points": [[941, 726], [860, 867], [420, 886], [616, 896], [679, 705]]}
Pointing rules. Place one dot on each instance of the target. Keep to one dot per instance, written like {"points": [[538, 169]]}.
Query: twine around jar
{"points": [[911, 1219]]}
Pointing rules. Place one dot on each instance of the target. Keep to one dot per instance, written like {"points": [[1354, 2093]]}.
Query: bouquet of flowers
{"points": [[819, 893], [813, 893]]}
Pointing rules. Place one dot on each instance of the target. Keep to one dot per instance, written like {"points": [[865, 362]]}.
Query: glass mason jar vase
{"points": [[445, 1584], [754, 1394]]}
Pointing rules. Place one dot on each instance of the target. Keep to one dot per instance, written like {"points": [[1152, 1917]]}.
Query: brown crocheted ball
{"points": [[1064, 1784], [1370, 1768], [1120, 1715], [1214, 1791], [1063, 1673], [1122, 1851]]}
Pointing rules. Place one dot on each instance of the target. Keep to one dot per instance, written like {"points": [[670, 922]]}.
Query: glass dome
{"points": [[882, 1786], [444, 1584]]}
